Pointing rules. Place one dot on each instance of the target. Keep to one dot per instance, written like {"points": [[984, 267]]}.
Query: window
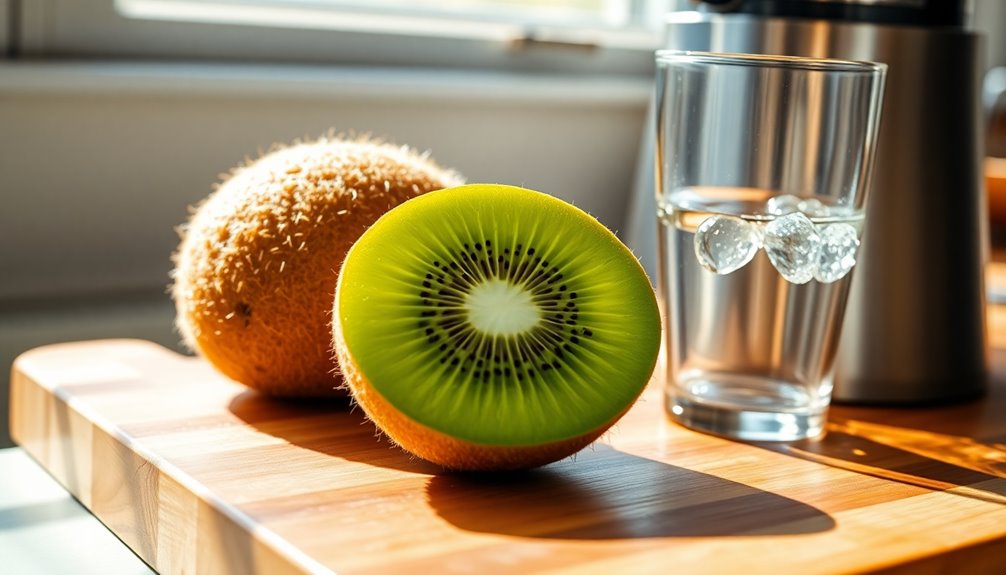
{"points": [[572, 36], [634, 15]]}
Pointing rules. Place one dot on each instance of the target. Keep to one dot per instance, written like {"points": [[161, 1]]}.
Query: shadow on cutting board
{"points": [[333, 427], [937, 447], [601, 494], [935, 461], [608, 494]]}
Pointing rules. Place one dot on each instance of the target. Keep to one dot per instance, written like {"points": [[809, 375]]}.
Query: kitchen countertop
{"points": [[45, 531]]}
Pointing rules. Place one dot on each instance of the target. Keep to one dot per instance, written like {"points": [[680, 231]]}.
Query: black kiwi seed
{"points": [[509, 357]]}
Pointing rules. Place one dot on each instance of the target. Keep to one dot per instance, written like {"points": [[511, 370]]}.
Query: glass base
{"points": [[745, 420]]}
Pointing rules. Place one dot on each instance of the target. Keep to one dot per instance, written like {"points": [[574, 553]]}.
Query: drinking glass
{"points": [[763, 166]]}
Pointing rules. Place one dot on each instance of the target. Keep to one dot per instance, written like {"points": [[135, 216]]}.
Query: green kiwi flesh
{"points": [[498, 315]]}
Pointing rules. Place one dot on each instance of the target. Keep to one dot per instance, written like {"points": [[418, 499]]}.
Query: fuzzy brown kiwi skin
{"points": [[444, 450], [257, 265]]}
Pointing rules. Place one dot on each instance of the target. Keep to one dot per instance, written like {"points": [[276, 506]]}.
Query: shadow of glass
{"points": [[331, 426], [608, 494], [898, 454], [959, 446]]}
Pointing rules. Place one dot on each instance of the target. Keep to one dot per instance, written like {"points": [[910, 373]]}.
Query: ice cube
{"points": [[782, 205], [839, 243], [793, 246], [724, 244], [813, 208]]}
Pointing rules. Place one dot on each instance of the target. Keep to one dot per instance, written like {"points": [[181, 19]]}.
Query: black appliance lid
{"points": [[930, 13]]}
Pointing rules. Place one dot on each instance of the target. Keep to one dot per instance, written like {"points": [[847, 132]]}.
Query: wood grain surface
{"points": [[199, 475]]}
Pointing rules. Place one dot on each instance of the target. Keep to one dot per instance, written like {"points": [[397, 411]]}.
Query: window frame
{"points": [[100, 29]]}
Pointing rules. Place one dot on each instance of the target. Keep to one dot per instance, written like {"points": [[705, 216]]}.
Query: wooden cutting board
{"points": [[198, 475]]}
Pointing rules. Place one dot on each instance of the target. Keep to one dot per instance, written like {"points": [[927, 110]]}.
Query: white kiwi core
{"points": [[497, 307]]}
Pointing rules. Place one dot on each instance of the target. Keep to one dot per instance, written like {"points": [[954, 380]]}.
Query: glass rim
{"points": [[771, 61]]}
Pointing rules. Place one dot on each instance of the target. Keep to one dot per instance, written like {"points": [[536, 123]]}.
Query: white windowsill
{"points": [[271, 81]]}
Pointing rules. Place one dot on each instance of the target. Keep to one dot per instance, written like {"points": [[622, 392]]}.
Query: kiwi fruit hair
{"points": [[489, 327], [256, 269]]}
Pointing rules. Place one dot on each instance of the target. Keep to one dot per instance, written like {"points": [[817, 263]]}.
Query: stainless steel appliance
{"points": [[915, 325]]}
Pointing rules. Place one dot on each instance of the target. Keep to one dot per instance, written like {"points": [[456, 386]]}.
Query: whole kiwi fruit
{"points": [[490, 327], [257, 266]]}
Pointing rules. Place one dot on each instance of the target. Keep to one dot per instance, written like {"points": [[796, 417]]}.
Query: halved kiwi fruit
{"points": [[491, 327]]}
